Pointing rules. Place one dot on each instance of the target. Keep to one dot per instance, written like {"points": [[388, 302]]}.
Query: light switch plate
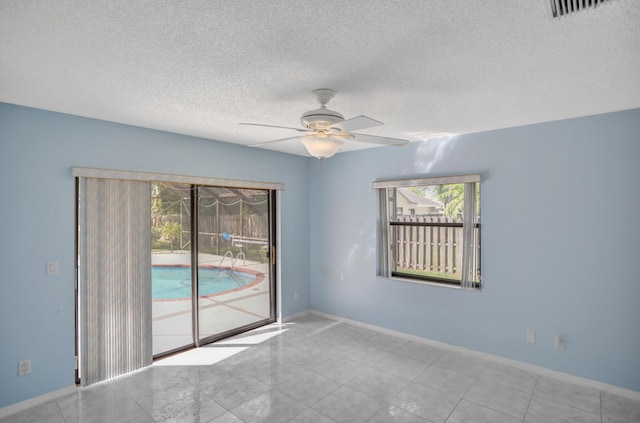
{"points": [[531, 337], [52, 267]]}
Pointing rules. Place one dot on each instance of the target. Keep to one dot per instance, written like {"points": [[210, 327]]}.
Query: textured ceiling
{"points": [[422, 67]]}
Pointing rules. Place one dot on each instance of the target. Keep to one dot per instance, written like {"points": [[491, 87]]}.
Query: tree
{"points": [[427, 191], [167, 200], [172, 231], [419, 190], [452, 196]]}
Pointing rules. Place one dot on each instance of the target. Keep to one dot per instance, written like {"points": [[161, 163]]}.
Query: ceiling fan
{"points": [[325, 131]]}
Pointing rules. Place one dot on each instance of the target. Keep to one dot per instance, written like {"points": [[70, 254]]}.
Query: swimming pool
{"points": [[174, 282]]}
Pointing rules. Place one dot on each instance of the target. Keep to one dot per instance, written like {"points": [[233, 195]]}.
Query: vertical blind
{"points": [[114, 277], [469, 238]]}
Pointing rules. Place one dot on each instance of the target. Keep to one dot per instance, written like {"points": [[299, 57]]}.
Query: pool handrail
{"points": [[244, 260], [230, 254]]}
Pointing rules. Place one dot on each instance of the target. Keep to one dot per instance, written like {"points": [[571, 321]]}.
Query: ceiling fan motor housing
{"points": [[320, 118]]}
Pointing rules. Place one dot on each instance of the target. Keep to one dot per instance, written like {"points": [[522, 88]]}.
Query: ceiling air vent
{"points": [[559, 8]]}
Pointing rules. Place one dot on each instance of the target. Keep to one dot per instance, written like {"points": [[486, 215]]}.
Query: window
{"points": [[438, 243]]}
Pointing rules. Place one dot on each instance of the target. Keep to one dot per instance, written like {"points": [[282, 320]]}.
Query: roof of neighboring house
{"points": [[419, 200]]}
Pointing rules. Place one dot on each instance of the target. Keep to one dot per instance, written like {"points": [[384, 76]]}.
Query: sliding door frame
{"points": [[195, 298], [271, 257], [76, 252], [196, 182]]}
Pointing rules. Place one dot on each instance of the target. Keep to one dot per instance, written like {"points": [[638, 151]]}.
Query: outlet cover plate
{"points": [[24, 367]]}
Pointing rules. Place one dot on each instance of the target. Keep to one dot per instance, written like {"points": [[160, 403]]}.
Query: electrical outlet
{"points": [[531, 337], [296, 296], [559, 343], [24, 367]]}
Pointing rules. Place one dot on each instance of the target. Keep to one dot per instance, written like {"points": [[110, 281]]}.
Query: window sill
{"points": [[423, 282]]}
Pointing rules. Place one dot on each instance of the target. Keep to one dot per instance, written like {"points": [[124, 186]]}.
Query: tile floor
{"points": [[315, 370]]}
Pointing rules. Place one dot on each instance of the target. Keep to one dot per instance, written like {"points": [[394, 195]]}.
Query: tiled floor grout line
{"points": [[310, 406], [370, 366], [60, 410], [600, 398], [457, 404], [524, 418], [465, 393]]}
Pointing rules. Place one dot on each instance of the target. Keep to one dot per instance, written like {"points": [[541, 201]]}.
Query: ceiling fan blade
{"points": [[374, 139], [274, 126], [356, 123], [273, 141]]}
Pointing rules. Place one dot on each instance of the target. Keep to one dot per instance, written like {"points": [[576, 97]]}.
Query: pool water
{"points": [[175, 282]]}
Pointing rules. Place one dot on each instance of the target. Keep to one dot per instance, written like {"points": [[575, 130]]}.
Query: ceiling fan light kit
{"points": [[321, 147], [326, 130]]}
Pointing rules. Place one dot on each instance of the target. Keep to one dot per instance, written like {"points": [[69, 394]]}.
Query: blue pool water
{"points": [[175, 282]]}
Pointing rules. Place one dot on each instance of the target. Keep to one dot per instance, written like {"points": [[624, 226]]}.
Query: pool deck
{"points": [[218, 313]]}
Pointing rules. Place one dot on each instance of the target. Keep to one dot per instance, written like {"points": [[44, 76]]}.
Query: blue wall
{"points": [[561, 244], [37, 151], [559, 237]]}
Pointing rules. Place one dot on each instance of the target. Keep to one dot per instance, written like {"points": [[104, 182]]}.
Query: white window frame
{"points": [[470, 272]]}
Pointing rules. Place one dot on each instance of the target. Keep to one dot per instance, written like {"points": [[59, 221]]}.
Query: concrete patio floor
{"points": [[172, 321]]}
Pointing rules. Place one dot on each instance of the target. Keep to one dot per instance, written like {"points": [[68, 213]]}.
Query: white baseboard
{"points": [[294, 316], [542, 371], [33, 402]]}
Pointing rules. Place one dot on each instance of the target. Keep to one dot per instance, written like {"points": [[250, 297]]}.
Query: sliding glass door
{"points": [[220, 281], [234, 270], [171, 275]]}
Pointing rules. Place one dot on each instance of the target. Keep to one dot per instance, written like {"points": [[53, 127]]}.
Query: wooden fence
{"points": [[427, 248]]}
